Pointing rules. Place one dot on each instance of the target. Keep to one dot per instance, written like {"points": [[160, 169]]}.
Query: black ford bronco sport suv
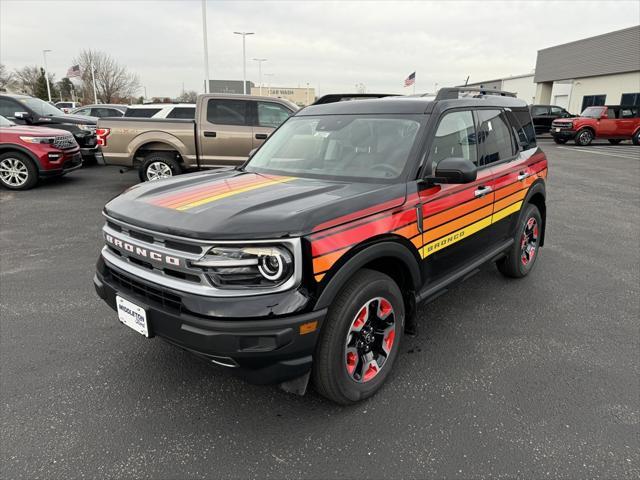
{"points": [[308, 261]]}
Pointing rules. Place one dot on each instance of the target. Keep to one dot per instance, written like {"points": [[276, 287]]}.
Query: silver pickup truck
{"points": [[226, 128]]}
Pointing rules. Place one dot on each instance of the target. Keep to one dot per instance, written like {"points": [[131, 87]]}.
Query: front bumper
{"points": [[563, 134], [269, 350], [70, 162]]}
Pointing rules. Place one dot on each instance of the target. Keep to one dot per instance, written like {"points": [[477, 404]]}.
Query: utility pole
{"points": [[93, 78], [46, 72], [244, 59], [206, 46], [260, 60]]}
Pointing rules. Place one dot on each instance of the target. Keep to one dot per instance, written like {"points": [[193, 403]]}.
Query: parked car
{"points": [[26, 110], [162, 110], [309, 260], [226, 129], [544, 115], [66, 107], [30, 153], [101, 110], [614, 123]]}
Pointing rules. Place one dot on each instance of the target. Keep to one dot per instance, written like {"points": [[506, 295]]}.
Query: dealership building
{"points": [[301, 96], [601, 70]]}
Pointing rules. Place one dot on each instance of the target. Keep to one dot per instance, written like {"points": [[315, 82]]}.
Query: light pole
{"points": [[260, 60], [46, 72], [244, 60], [206, 46], [270, 75]]}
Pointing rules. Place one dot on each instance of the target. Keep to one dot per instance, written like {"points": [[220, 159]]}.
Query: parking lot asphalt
{"points": [[534, 378]]}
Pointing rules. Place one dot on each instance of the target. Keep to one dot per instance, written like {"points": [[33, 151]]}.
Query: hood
{"points": [[240, 205], [33, 131], [70, 118]]}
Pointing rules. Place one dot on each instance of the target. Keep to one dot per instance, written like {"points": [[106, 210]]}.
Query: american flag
{"points": [[74, 71], [410, 80]]}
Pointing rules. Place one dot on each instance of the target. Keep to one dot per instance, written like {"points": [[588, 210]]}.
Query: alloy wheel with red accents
{"points": [[529, 241], [370, 339], [360, 338]]}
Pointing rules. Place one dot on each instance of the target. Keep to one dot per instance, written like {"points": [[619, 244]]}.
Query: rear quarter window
{"points": [[183, 112], [141, 112], [523, 125]]}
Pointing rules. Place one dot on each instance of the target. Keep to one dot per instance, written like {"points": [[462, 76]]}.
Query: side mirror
{"points": [[455, 170], [22, 115]]}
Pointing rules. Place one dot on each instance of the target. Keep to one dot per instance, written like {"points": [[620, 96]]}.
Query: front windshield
{"points": [[592, 112], [41, 107], [5, 123], [363, 147]]}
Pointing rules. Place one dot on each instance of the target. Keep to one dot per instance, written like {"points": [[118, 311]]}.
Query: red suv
{"points": [[615, 123], [30, 153]]}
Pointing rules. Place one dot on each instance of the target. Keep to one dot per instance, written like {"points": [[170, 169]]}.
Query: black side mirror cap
{"points": [[455, 170]]}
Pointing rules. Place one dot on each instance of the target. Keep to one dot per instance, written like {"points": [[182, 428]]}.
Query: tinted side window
{"points": [[84, 111], [611, 113], [141, 112], [104, 112], [629, 112], [271, 114], [494, 136], [228, 112], [183, 112], [8, 108], [557, 111], [537, 111], [523, 125], [455, 137]]}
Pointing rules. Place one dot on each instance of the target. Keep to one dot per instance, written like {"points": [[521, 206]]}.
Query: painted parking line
{"points": [[599, 152]]}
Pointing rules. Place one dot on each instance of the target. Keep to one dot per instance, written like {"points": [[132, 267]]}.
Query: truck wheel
{"points": [[360, 339], [17, 171], [158, 165], [560, 141], [522, 256], [636, 138], [614, 141], [584, 137]]}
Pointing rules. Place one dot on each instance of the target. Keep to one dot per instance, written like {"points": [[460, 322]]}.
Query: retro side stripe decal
{"points": [[444, 224]]}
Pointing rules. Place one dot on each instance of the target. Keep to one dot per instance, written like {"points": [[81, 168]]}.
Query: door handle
{"points": [[482, 191], [209, 134], [261, 136], [523, 176]]}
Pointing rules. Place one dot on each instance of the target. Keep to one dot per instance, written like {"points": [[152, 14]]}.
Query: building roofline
{"points": [[590, 38]]}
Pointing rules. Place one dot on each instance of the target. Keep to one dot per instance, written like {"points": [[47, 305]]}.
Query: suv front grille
{"points": [[158, 295], [64, 142]]}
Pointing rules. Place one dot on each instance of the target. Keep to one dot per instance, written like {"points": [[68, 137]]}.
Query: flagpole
{"points": [[93, 77]]}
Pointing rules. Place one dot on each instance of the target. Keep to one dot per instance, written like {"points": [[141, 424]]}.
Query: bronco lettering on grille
{"points": [[142, 252]]}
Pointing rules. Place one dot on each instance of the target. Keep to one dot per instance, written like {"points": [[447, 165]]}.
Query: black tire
{"points": [[514, 265], [636, 138], [155, 160], [614, 141], [13, 168], [560, 141], [584, 137], [331, 375]]}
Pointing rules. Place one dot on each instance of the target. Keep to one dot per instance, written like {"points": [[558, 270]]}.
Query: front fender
{"points": [[361, 256]]}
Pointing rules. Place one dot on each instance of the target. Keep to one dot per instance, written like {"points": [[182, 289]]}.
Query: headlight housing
{"points": [[257, 266], [45, 140], [85, 127]]}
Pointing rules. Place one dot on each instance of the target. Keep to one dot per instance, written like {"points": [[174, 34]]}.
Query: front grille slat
{"points": [[156, 295], [64, 142]]}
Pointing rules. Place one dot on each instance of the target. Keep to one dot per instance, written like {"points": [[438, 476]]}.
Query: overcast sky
{"points": [[331, 45]]}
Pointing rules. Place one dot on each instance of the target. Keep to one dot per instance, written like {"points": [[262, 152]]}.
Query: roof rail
{"points": [[453, 93]]}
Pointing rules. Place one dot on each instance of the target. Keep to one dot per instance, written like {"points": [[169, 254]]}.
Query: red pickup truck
{"points": [[614, 123]]}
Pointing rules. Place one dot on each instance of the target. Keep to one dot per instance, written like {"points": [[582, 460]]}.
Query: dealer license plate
{"points": [[132, 315], [557, 129]]}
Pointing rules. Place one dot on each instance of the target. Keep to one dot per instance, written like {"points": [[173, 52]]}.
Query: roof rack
{"points": [[453, 93], [341, 97]]}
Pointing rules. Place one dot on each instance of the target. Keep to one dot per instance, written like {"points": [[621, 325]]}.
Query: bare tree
{"points": [[27, 79], [7, 79], [189, 96], [113, 81]]}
